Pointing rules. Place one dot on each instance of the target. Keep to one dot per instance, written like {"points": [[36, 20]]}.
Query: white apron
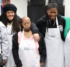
{"points": [[10, 61], [67, 50], [54, 46], [28, 54]]}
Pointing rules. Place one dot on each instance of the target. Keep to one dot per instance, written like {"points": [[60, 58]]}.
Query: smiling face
{"points": [[52, 13], [10, 15], [26, 23]]}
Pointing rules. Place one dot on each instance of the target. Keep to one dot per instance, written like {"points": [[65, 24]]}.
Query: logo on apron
{"points": [[61, 28], [27, 48]]}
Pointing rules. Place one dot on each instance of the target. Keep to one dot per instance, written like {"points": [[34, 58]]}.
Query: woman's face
{"points": [[26, 23], [52, 13], [10, 15]]}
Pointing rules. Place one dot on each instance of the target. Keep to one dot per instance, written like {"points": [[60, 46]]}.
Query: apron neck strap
{"points": [[57, 22], [22, 34]]}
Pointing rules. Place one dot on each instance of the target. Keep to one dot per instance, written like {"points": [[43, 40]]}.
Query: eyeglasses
{"points": [[26, 23]]}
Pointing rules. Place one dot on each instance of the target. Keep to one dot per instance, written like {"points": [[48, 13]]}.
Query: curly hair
{"points": [[16, 22]]}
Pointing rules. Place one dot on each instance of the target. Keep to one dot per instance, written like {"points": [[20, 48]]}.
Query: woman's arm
{"points": [[42, 49], [5, 43], [62, 33], [15, 51], [34, 28], [35, 32]]}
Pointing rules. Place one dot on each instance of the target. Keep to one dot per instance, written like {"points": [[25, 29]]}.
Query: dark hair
{"points": [[52, 5], [16, 22]]}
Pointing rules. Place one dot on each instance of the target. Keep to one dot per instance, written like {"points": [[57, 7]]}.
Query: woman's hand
{"points": [[4, 62], [41, 64], [36, 37]]}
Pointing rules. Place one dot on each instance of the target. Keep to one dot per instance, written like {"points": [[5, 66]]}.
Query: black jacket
{"points": [[42, 24], [34, 28], [42, 50]]}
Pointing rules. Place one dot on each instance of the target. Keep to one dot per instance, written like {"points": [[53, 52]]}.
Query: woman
{"points": [[67, 42], [52, 27], [3, 43], [12, 22], [26, 50], [67, 50]]}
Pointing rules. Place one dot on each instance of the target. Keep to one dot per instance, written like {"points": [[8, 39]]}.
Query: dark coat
{"points": [[15, 48], [42, 24]]}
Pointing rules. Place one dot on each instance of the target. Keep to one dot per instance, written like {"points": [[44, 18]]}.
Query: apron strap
{"points": [[57, 22], [22, 34]]}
